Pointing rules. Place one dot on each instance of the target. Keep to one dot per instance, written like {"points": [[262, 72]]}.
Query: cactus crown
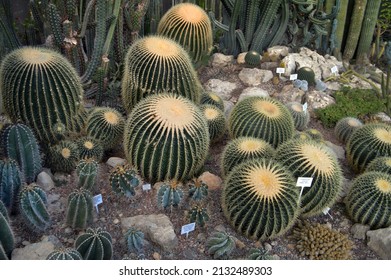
{"points": [[212, 99]]}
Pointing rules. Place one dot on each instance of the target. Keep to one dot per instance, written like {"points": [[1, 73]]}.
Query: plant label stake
{"points": [[326, 211], [305, 107], [146, 187], [187, 228], [280, 71], [293, 77], [334, 70], [96, 200], [304, 182]]}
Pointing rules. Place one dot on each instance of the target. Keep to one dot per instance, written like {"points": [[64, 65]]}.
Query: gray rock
{"points": [[156, 227], [240, 58], [222, 88], [359, 231], [45, 181], [220, 228], [267, 246], [270, 65], [255, 76], [289, 93], [228, 107], [380, 241], [253, 91], [221, 60], [114, 161], [333, 86], [54, 204], [383, 117], [318, 100], [280, 51], [338, 150], [36, 251]]}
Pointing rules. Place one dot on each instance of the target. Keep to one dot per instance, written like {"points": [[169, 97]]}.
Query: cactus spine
{"points": [[135, 240], [19, 143], [170, 194], [87, 170], [10, 183], [220, 245], [95, 244], [124, 179], [79, 213], [33, 201], [7, 241], [64, 254]]}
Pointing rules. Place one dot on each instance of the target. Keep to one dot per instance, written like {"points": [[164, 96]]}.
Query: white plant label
{"points": [[280, 70], [326, 212], [146, 187], [304, 182], [187, 228], [334, 70], [96, 200], [305, 108], [293, 77]]}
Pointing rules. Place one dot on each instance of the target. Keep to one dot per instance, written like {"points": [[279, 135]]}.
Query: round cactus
{"points": [[220, 245], [306, 74], [259, 254], [198, 190], [95, 244], [198, 215], [10, 183], [216, 121], [314, 134], [135, 240], [301, 118], [242, 149], [64, 254], [79, 212], [307, 158], [367, 143], [260, 199], [106, 125], [154, 65], [261, 117], [170, 194], [63, 156], [345, 127], [7, 241], [301, 135], [190, 26], [252, 58], [124, 179], [90, 148], [166, 137], [369, 198], [87, 170], [380, 164], [211, 98], [40, 87]]}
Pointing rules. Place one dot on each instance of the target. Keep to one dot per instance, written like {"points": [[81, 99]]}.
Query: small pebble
{"points": [[68, 230], [116, 221], [156, 256], [267, 246], [70, 240], [25, 243]]}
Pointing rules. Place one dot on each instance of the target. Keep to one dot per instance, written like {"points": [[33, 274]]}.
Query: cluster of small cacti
{"points": [[301, 117], [211, 98], [134, 240], [7, 241], [95, 244], [170, 194], [10, 184], [220, 245], [318, 242], [64, 254], [216, 121], [79, 209], [124, 179], [87, 171]]}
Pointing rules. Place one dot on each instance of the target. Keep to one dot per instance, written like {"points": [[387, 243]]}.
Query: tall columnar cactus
{"points": [[190, 26], [307, 158], [260, 199], [242, 149], [124, 179], [7, 241], [10, 183], [106, 125], [19, 143], [63, 156], [134, 240], [79, 212], [41, 88], [301, 118], [154, 65], [216, 121], [369, 198], [198, 190], [87, 171], [367, 143], [345, 127], [166, 137], [340, 28], [208, 97], [380, 164], [261, 117], [32, 202], [90, 148], [95, 244], [220, 245], [64, 254], [170, 194], [198, 215]]}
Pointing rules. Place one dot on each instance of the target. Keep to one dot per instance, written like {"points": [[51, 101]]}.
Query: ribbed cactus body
{"points": [[106, 125], [64, 254], [79, 212], [198, 190], [189, 25], [10, 183], [170, 194], [87, 171], [154, 65], [345, 127], [300, 117], [63, 156], [166, 137], [134, 240], [308, 158], [367, 143], [253, 58], [261, 117], [95, 244], [260, 199], [220, 245], [212, 99], [216, 121], [242, 149], [380, 164], [19, 143], [369, 198], [41, 88], [124, 179], [90, 148], [259, 254], [32, 202], [198, 215], [306, 74], [7, 241]]}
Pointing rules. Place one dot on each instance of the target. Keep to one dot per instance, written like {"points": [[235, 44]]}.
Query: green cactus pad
{"points": [[155, 65], [90, 148], [261, 117], [79, 211], [166, 137], [64, 254], [63, 156], [211, 98], [306, 74], [95, 244], [301, 118], [216, 121], [367, 143], [345, 127], [369, 198], [260, 199], [242, 149], [307, 158], [124, 179]]}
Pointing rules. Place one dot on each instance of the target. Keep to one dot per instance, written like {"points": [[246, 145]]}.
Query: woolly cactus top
{"points": [[383, 185], [267, 108], [383, 135], [210, 113], [249, 145], [354, 122], [66, 152], [36, 56], [316, 158], [297, 107], [189, 12], [111, 117], [161, 47]]}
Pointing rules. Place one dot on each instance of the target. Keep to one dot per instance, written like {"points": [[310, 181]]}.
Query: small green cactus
{"points": [[301, 118], [106, 125], [64, 254], [198, 215], [170, 194], [63, 156], [211, 98], [306, 74], [95, 244], [216, 121], [345, 127], [19, 143], [380, 164], [135, 240], [90, 148], [220, 245], [87, 171], [198, 190], [79, 212], [124, 179], [7, 241], [314, 134], [259, 254], [10, 184], [253, 58], [32, 202]]}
